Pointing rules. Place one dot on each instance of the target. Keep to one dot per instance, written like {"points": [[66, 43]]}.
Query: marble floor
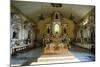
{"points": [[35, 56]]}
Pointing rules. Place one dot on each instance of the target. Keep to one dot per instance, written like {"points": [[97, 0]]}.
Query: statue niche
{"points": [[48, 30], [56, 24], [56, 28], [64, 30]]}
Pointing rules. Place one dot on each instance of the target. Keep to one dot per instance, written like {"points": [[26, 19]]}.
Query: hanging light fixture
{"points": [[41, 17], [71, 17]]}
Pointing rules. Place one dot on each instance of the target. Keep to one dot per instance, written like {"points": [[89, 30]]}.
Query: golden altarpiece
{"points": [[56, 40]]}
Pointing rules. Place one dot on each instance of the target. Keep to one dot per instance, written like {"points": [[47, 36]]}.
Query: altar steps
{"points": [[50, 59]]}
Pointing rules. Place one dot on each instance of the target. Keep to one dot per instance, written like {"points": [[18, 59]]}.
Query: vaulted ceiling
{"points": [[34, 9]]}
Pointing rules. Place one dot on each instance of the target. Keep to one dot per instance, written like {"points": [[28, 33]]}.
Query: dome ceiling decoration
{"points": [[33, 9]]}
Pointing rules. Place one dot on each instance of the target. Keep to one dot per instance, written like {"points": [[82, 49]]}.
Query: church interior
{"points": [[45, 33]]}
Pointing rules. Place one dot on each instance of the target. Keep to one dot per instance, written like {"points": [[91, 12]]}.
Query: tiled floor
{"points": [[28, 57]]}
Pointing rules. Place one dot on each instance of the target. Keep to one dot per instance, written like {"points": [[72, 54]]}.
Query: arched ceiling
{"points": [[33, 9]]}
